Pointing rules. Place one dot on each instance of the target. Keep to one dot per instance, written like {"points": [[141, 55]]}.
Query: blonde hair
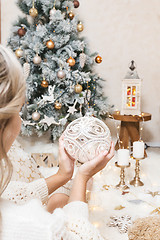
{"points": [[12, 94]]}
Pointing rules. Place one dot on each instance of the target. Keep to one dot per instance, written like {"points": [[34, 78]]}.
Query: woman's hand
{"points": [[66, 162], [90, 168], [86, 171]]}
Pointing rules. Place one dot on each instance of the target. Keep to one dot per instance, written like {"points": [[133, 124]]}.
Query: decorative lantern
{"points": [[131, 92]]}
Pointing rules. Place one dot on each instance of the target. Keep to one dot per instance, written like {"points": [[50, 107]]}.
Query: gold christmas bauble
{"points": [[71, 61], [19, 52], [33, 12], [35, 116], [80, 27], [57, 105], [98, 59], [71, 15], [44, 83], [78, 88], [50, 44]]}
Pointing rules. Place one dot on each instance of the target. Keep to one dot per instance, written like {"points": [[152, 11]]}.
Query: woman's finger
{"points": [[62, 149], [111, 152], [61, 143], [98, 159], [103, 156], [61, 137], [68, 155]]}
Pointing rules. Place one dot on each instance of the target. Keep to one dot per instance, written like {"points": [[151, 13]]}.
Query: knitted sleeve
{"points": [[21, 192], [71, 223], [78, 225]]}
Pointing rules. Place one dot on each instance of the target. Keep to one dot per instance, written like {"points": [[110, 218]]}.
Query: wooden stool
{"points": [[129, 131]]}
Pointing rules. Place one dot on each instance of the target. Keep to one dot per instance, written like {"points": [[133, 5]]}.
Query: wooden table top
{"points": [[132, 118]]}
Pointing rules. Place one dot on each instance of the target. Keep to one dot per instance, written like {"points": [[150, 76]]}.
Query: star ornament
{"points": [[72, 109], [49, 121], [25, 123], [156, 211], [153, 194], [120, 207], [106, 187]]}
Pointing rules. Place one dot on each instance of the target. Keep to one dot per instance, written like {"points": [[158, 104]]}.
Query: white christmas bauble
{"points": [[61, 74], [35, 116], [86, 137], [52, 11], [37, 59]]}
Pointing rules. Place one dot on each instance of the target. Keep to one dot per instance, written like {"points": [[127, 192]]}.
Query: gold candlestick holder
{"points": [[122, 184], [136, 182]]}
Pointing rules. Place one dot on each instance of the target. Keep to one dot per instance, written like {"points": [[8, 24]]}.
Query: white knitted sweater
{"points": [[27, 182], [31, 222]]}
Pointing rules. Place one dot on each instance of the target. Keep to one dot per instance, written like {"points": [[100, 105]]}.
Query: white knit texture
{"points": [[77, 222], [21, 192], [31, 222], [24, 167], [27, 182]]}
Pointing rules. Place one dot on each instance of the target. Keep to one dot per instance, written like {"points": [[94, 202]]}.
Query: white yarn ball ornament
{"points": [[86, 137]]}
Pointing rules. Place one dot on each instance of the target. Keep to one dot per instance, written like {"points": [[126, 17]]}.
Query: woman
{"points": [[30, 221]]}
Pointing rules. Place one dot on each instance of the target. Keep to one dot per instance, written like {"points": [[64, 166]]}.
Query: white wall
{"points": [[121, 31]]}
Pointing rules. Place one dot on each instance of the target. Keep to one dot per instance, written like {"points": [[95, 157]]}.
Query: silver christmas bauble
{"points": [[61, 74], [35, 116], [86, 137], [37, 59]]}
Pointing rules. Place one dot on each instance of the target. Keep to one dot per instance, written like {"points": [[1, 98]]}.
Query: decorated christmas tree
{"points": [[58, 67]]}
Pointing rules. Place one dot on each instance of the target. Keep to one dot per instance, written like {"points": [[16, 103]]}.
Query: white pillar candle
{"points": [[123, 157], [138, 149]]}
